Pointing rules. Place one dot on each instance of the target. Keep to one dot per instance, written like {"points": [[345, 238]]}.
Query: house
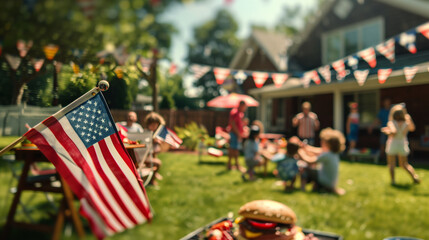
{"points": [[339, 33]]}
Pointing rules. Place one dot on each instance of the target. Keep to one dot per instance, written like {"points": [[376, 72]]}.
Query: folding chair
{"points": [[143, 156]]}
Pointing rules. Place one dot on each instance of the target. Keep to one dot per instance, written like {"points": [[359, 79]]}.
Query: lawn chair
{"points": [[143, 156]]}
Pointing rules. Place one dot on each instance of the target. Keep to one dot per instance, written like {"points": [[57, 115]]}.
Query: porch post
{"points": [[338, 110]]}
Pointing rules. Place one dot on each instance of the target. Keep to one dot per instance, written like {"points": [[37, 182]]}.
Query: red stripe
{"points": [[81, 162], [127, 159], [109, 185], [120, 176], [63, 170]]}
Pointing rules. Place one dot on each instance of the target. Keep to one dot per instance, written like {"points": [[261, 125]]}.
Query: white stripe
{"points": [[79, 176], [128, 174], [95, 218], [105, 190]]}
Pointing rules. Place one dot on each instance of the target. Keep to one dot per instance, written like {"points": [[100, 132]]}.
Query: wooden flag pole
{"points": [[13, 144]]}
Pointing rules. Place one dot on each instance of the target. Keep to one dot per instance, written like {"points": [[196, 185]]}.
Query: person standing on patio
{"points": [[237, 133], [307, 123]]}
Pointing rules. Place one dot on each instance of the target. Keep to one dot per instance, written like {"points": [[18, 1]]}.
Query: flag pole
{"points": [[103, 85]]}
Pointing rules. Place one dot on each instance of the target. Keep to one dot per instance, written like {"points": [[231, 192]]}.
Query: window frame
{"points": [[341, 31]]}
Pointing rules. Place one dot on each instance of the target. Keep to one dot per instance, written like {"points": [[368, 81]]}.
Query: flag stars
{"points": [[80, 113], [85, 121], [73, 118], [79, 119], [91, 123], [77, 126], [88, 109]]}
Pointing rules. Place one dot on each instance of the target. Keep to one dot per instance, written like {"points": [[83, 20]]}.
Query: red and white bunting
{"points": [[340, 68], [387, 49], [279, 78], [221, 74], [306, 79], [410, 72], [259, 78], [383, 74], [369, 56], [352, 62], [325, 71], [424, 29], [37, 64], [199, 70], [23, 47], [13, 61], [315, 77], [408, 41], [361, 76], [240, 76]]}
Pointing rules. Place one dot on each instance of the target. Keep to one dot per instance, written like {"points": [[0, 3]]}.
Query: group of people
{"points": [[320, 165], [152, 122]]}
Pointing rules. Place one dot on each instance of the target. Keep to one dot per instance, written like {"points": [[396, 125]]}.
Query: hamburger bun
{"points": [[269, 211]]}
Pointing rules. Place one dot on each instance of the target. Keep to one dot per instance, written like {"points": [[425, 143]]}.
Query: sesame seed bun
{"points": [[268, 210]]}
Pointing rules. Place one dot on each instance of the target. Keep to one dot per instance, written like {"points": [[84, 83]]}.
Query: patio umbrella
{"points": [[232, 100]]}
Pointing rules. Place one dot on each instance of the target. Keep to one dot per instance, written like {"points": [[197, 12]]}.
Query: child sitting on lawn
{"points": [[252, 154], [287, 165], [332, 142]]}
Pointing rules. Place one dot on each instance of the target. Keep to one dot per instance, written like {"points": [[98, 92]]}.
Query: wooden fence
{"points": [[179, 118]]}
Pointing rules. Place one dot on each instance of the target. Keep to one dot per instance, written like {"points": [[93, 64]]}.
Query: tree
{"points": [[215, 43], [131, 24]]}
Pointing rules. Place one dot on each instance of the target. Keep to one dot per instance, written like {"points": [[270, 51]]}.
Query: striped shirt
{"points": [[306, 124]]}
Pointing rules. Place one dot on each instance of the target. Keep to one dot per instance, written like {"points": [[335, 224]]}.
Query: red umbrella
{"points": [[232, 100]]}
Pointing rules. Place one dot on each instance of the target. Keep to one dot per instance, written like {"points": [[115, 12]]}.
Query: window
{"points": [[349, 40], [368, 109]]}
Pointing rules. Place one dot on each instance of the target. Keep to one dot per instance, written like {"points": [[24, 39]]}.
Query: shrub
{"points": [[192, 134]]}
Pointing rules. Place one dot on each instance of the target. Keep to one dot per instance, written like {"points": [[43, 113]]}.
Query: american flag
{"points": [[169, 136], [82, 142]]}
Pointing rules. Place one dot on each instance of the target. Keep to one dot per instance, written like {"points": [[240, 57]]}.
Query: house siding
{"points": [[309, 55]]}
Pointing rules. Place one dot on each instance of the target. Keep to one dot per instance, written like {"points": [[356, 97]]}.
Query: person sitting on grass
{"points": [[287, 165], [252, 154], [332, 143]]}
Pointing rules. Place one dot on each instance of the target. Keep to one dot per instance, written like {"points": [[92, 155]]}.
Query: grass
{"points": [[193, 194]]}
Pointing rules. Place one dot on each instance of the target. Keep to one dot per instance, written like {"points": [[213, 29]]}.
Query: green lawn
{"points": [[192, 195]]}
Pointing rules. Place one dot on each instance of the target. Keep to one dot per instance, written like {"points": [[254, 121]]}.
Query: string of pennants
{"points": [[387, 49]]}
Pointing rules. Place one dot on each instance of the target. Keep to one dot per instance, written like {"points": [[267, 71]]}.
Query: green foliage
{"points": [[215, 43], [114, 23], [192, 134]]}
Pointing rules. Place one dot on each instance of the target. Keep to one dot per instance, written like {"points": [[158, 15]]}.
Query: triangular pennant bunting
{"points": [[340, 68], [424, 29], [306, 79], [352, 61], [13, 61], [408, 41], [50, 51], [387, 49], [325, 71], [369, 56], [37, 63], [279, 79], [240, 76], [119, 72], [75, 67], [259, 78], [361, 76], [410, 72], [199, 70], [315, 77], [221, 74], [23, 47], [173, 69], [383, 74]]}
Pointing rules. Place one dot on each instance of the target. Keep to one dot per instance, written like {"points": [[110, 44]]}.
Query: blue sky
{"points": [[246, 12]]}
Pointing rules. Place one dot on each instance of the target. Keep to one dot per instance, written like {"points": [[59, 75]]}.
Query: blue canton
{"points": [[91, 121]]}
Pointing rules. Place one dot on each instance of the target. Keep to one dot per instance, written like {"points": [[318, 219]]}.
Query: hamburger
{"points": [[267, 219]]}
